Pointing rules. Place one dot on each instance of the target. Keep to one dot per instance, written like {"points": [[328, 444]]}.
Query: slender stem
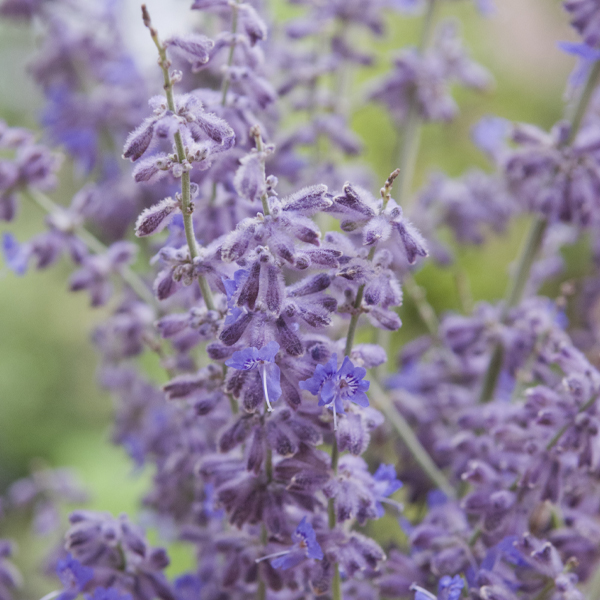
{"points": [[532, 247], [261, 593], [411, 441], [269, 465], [354, 320], [428, 26], [583, 101], [255, 133], [564, 428], [514, 296], [225, 82], [411, 134], [409, 149], [550, 584], [133, 280], [186, 200], [336, 584], [234, 24], [419, 297], [465, 297]]}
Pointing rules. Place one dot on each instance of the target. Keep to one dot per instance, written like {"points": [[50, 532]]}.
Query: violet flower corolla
{"points": [[334, 386], [449, 588], [74, 576], [305, 546], [15, 255], [262, 359]]}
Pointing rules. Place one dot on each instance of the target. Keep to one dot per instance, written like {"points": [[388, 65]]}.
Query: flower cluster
{"points": [[277, 436]]}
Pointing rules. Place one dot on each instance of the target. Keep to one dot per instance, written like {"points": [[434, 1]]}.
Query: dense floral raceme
{"points": [[229, 225]]}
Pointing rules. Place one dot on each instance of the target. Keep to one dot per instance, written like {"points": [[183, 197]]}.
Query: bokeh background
{"points": [[51, 411]]}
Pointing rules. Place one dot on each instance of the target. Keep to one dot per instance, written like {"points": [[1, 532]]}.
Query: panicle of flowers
{"points": [[112, 553], [29, 165], [265, 434], [423, 78]]}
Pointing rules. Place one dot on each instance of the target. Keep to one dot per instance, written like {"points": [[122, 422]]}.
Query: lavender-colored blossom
{"points": [[15, 255], [426, 78], [585, 18], [449, 588], [263, 360], [73, 576], [586, 55], [111, 593], [335, 387], [305, 546], [194, 48]]}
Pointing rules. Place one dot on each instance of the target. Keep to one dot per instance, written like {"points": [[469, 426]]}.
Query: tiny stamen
{"points": [[263, 374], [274, 555]]}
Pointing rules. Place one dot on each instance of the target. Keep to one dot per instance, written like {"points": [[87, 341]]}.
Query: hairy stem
{"points": [[416, 449], [130, 277], [255, 133], [186, 201]]}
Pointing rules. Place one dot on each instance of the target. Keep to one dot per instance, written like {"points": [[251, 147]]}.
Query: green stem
{"points": [[234, 24], [269, 465], [264, 199], [532, 247], [336, 584], [515, 294], [186, 201], [354, 320], [425, 310], [583, 101], [411, 441], [133, 280], [261, 593], [528, 255], [225, 84], [411, 134], [564, 428]]}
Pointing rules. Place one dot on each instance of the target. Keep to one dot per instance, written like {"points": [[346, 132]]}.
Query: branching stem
{"points": [[186, 201]]}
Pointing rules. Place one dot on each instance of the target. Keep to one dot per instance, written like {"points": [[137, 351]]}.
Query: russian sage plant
{"points": [[268, 288]]}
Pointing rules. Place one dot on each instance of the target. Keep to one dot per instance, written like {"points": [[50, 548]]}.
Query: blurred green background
{"points": [[51, 411]]}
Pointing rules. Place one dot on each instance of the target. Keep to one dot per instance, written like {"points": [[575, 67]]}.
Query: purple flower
{"points": [[107, 594], [386, 484], [15, 254], [336, 386], [305, 546], [74, 577], [587, 57], [585, 18], [449, 588], [262, 359]]}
